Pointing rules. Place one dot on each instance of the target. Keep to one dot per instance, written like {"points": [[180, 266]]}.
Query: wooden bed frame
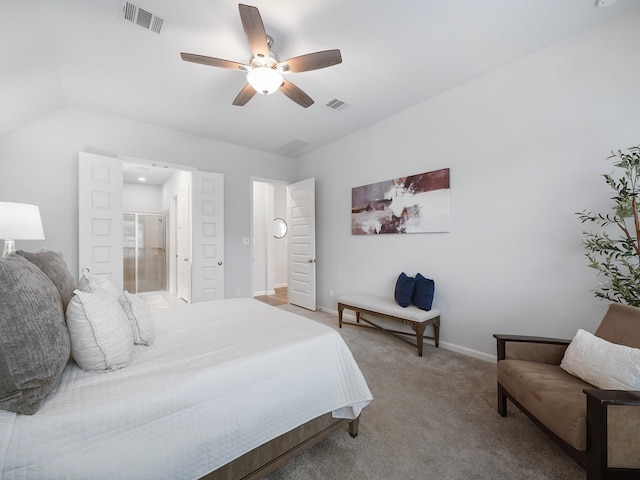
{"points": [[268, 457]]}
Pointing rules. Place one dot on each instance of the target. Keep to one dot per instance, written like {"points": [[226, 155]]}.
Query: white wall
{"points": [[526, 146], [140, 198], [39, 165]]}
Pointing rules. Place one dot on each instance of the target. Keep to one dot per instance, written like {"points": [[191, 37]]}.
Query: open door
{"points": [[208, 236], [301, 208], [100, 220]]}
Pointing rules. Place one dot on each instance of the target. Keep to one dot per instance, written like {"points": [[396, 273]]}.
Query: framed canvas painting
{"points": [[415, 204]]}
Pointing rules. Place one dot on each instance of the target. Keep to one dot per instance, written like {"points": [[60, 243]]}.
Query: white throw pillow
{"points": [[90, 282], [101, 337], [140, 318], [603, 364]]}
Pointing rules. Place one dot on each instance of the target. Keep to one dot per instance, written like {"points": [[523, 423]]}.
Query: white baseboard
{"points": [[281, 285], [445, 345], [262, 293], [469, 352]]}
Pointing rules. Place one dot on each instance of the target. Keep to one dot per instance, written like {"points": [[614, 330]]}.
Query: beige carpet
{"points": [[432, 418]]}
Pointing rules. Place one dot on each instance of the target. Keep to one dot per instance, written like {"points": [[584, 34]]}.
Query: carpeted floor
{"points": [[432, 418]]}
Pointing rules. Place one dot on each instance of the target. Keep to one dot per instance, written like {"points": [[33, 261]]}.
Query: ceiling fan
{"points": [[264, 71]]}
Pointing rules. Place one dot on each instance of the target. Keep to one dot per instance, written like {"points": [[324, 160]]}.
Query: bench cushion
{"points": [[387, 306]]}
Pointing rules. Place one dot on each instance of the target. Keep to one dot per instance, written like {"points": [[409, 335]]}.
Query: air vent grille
{"points": [[336, 104], [147, 20]]}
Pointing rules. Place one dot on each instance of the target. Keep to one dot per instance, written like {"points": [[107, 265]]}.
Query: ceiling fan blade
{"points": [[214, 62], [295, 94], [244, 96], [312, 61], [254, 28]]}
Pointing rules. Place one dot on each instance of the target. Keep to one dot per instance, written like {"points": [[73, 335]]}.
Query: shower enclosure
{"points": [[145, 253]]}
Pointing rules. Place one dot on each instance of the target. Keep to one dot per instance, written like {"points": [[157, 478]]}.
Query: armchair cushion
{"points": [[537, 386], [603, 364], [621, 325]]}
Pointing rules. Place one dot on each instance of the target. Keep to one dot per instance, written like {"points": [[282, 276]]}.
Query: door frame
{"points": [[252, 180]]}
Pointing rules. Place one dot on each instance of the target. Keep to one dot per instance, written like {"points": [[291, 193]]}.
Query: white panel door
{"points": [[100, 216], [301, 207], [208, 236], [183, 247]]}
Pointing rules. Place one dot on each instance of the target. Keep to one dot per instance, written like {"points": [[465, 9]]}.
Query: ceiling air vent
{"points": [[147, 20], [336, 104]]}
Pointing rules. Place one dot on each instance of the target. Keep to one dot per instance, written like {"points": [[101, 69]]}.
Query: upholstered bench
{"points": [[388, 309]]}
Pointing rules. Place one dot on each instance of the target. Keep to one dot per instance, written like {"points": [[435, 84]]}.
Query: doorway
{"points": [[104, 193], [269, 242]]}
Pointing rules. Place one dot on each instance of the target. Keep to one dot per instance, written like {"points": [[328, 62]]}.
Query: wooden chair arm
{"points": [[502, 340], [614, 397]]}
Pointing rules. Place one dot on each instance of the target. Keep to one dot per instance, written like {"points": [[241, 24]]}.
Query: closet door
{"points": [[100, 216]]}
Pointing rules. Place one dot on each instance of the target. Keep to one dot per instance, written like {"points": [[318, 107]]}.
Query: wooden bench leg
{"points": [[436, 332], [419, 327], [340, 309]]}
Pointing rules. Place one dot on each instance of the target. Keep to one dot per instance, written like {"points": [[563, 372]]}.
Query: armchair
{"points": [[599, 429]]}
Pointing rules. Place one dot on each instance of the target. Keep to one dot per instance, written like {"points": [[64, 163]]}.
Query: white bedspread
{"points": [[221, 378]]}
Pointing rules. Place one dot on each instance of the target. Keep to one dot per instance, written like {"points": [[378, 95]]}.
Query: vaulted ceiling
{"points": [[80, 53]]}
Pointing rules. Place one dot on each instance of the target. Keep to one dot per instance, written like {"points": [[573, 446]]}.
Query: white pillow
{"points": [[140, 318], [603, 364], [90, 282], [101, 337]]}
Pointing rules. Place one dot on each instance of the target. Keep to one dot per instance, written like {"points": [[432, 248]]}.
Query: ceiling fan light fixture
{"points": [[264, 80]]}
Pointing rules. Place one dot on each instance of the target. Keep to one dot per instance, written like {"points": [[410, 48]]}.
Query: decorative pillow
{"points": [[404, 290], [54, 267], [90, 282], [603, 364], [140, 318], [423, 292], [101, 337], [34, 341]]}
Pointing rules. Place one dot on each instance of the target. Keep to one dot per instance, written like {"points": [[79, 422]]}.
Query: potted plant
{"points": [[614, 250]]}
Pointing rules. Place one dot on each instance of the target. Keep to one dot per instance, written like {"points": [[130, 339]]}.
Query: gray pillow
{"points": [[34, 341], [54, 267]]}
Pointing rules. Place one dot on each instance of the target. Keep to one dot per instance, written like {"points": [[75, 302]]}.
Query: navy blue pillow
{"points": [[423, 292], [404, 290]]}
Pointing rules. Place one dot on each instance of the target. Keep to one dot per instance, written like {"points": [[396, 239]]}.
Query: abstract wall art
{"points": [[415, 204]]}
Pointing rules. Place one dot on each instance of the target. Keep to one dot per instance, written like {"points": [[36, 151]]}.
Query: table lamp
{"points": [[19, 221]]}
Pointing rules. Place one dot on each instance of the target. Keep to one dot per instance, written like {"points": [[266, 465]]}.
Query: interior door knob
{"points": [[220, 262]]}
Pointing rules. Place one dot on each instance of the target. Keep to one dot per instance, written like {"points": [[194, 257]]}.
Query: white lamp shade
{"points": [[264, 80], [20, 221]]}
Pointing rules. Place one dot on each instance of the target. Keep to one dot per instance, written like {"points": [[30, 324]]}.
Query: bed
{"points": [[228, 389]]}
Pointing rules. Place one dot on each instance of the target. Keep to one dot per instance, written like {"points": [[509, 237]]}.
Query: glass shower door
{"points": [[145, 254]]}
